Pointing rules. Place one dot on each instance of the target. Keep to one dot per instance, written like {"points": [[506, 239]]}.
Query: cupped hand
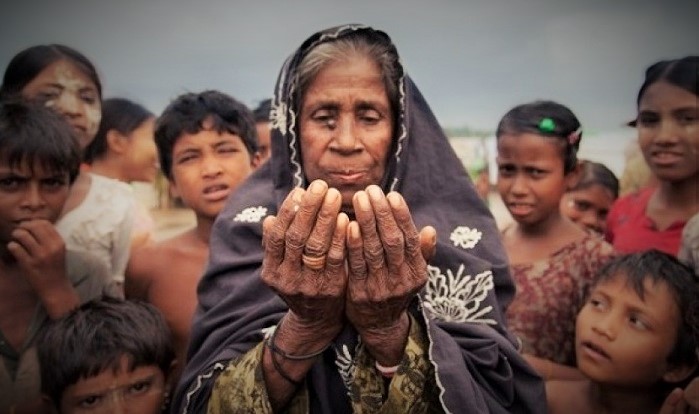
{"points": [[309, 223], [387, 262]]}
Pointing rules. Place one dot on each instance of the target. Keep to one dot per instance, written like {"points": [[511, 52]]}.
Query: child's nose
{"points": [[33, 198], [607, 326]]}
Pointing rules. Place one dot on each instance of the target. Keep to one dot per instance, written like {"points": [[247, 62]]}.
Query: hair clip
{"points": [[574, 136], [547, 125]]}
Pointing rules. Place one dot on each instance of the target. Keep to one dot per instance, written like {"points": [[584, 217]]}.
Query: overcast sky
{"points": [[472, 60]]}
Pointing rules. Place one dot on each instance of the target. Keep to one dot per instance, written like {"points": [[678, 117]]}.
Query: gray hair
{"points": [[359, 43]]}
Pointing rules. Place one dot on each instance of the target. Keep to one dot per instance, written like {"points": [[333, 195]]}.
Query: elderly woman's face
{"points": [[346, 127]]}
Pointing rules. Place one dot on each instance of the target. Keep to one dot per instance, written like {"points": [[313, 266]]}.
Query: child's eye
{"points": [[182, 159], [582, 205], [140, 387], [54, 183], [91, 401], [10, 183], [637, 322], [648, 119], [228, 149], [597, 303], [535, 172], [687, 118], [47, 96], [506, 169]]}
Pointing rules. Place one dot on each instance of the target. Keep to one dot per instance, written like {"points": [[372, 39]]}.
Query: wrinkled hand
{"points": [[387, 262], [40, 252], [309, 222]]}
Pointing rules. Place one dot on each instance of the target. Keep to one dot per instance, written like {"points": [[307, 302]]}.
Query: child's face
{"points": [[65, 88], [30, 194], [139, 391], [531, 181], [622, 339], [141, 154], [668, 131], [207, 167], [588, 207]]}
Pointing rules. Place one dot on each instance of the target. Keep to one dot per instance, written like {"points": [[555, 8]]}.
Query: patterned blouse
{"points": [[550, 293], [241, 386]]}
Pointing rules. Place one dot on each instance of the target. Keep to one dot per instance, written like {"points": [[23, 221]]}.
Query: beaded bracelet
{"points": [[386, 372], [283, 354]]}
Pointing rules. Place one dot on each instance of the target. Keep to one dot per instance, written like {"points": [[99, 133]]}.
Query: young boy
{"points": [[39, 279], [107, 356], [207, 146], [636, 337]]}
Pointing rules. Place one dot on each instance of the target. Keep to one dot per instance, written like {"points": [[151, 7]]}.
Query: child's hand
{"points": [[41, 254], [682, 401]]}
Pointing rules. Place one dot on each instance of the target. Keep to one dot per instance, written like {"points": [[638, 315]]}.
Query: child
{"points": [[124, 149], [39, 278], [97, 216], [207, 146], [552, 259], [668, 134], [636, 337], [108, 356], [264, 134], [589, 201]]}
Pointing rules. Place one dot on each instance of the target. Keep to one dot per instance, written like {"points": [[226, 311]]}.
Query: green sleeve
{"points": [[241, 388]]}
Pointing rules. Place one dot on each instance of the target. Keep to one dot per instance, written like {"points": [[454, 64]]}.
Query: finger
{"points": [[19, 253], [428, 242], [274, 227], [391, 235], [404, 220], [319, 240], [44, 232], [336, 253], [26, 239], [355, 253], [304, 220], [373, 249], [673, 402]]}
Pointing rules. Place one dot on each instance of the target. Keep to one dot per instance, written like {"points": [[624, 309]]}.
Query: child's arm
{"points": [[40, 253]]}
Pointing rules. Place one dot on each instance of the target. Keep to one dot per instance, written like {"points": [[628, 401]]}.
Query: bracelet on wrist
{"points": [[278, 367], [276, 350], [386, 372]]}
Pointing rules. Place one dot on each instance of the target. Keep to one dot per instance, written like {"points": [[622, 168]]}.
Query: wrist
{"points": [[59, 300], [387, 344]]}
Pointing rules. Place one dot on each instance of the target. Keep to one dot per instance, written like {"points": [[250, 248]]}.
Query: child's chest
{"points": [[18, 305]]}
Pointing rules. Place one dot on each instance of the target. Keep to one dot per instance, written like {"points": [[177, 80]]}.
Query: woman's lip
{"points": [[665, 157], [350, 177]]}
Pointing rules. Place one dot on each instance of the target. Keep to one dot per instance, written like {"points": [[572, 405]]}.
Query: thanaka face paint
{"points": [[65, 88]]}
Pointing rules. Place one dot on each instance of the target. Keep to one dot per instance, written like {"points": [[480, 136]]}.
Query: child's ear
{"points": [[116, 141], [172, 189], [674, 375], [572, 178], [255, 161], [47, 404]]}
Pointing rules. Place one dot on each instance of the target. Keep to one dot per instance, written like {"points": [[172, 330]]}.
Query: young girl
{"points": [[589, 201], [636, 339], [552, 259], [124, 149], [668, 134], [97, 218]]}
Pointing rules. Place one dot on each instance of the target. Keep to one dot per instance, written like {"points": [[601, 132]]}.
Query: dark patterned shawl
{"points": [[477, 366]]}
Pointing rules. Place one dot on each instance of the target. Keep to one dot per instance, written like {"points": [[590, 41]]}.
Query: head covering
{"points": [[475, 359]]}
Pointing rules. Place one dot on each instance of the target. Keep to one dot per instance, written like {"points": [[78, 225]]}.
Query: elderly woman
{"points": [[318, 296]]}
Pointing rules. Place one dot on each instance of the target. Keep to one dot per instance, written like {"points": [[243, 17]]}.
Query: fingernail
{"points": [[354, 230], [298, 193], [394, 199], [363, 201], [317, 187], [332, 195], [374, 192]]}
